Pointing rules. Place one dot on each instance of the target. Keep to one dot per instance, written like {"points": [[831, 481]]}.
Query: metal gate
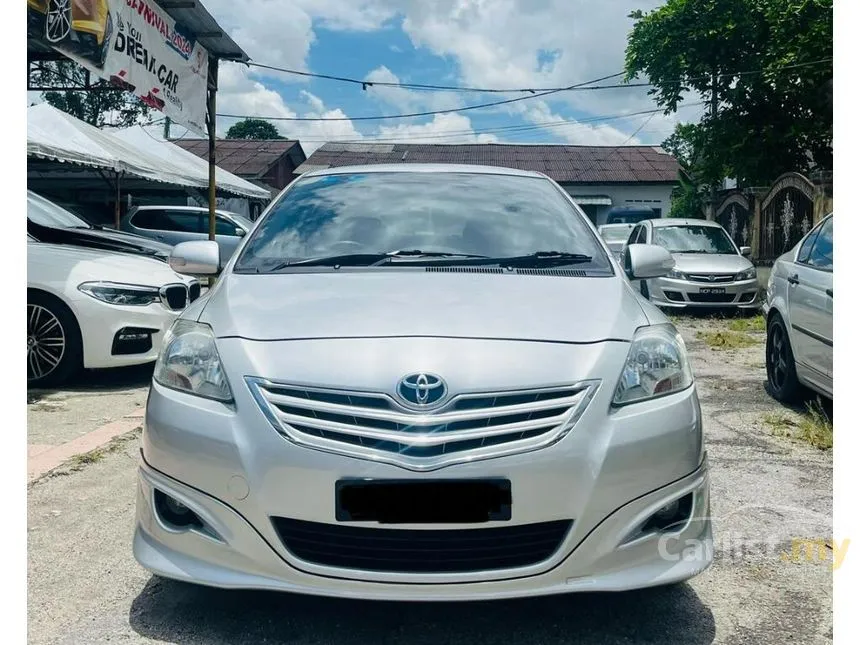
{"points": [[734, 214], [786, 214]]}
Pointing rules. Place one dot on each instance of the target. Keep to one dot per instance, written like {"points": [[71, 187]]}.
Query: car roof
{"points": [[425, 168], [618, 225], [675, 221]]}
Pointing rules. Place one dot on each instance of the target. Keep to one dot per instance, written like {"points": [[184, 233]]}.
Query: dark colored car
{"points": [[51, 223]]}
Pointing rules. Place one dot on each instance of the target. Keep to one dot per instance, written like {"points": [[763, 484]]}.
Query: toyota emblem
{"points": [[421, 389]]}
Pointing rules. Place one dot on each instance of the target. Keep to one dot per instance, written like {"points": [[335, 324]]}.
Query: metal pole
{"points": [[167, 128], [714, 107], [212, 91]]}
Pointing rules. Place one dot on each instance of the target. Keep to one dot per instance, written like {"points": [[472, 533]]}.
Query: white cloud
{"points": [[598, 134], [458, 126]]}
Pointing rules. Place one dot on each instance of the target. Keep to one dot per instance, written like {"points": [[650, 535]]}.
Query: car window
{"points": [[696, 238], [821, 256], [224, 226], [492, 215], [806, 247], [618, 234], [634, 235], [166, 220], [47, 213]]}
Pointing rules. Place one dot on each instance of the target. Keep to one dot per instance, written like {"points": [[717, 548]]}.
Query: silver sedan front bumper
{"points": [[670, 292], [614, 470]]}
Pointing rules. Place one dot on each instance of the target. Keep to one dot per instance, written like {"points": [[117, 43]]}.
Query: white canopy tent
{"points": [[192, 165], [53, 134]]}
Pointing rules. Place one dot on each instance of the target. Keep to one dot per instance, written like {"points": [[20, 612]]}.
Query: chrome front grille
{"points": [[717, 277], [469, 426]]}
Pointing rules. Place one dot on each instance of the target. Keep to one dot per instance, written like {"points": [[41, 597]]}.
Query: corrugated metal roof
{"points": [[563, 163], [243, 157]]}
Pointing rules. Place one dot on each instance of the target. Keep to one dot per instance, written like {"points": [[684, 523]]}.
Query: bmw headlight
{"points": [[749, 274], [656, 365], [676, 275], [120, 294], [189, 362]]}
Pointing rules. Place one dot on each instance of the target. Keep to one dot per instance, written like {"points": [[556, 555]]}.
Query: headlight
{"points": [[676, 275], [120, 294], [749, 274], [656, 365], [189, 362]]}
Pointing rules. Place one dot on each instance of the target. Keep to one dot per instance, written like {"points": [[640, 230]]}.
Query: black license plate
{"points": [[423, 502], [712, 290]]}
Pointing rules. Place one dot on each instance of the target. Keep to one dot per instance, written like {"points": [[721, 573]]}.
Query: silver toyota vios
{"points": [[423, 383]]}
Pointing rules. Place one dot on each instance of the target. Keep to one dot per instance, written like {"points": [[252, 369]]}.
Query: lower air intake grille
{"points": [[421, 551], [725, 298]]}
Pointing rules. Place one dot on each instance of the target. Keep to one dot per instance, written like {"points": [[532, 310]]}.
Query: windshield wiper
{"points": [[542, 258], [692, 251], [368, 259]]}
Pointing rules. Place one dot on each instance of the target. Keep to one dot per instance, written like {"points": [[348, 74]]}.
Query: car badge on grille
{"points": [[422, 389], [712, 278]]}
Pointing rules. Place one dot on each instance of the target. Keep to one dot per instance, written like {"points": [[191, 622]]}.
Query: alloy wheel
{"points": [[46, 342], [59, 20], [777, 357]]}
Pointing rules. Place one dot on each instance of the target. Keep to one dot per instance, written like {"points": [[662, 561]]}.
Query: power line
{"points": [[364, 83], [508, 129], [383, 117]]}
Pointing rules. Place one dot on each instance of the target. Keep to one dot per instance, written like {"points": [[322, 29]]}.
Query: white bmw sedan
{"points": [[90, 309]]}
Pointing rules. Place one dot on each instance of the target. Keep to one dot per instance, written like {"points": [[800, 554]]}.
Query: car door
{"points": [[810, 305], [228, 236]]}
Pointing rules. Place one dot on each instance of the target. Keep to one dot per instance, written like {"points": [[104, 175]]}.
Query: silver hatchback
{"points": [[423, 383]]}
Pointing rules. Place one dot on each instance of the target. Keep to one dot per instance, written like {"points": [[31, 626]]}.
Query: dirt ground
{"points": [[768, 490]]}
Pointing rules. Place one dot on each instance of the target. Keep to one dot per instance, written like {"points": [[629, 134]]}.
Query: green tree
{"points": [[688, 200], [253, 129], [102, 104], [763, 58]]}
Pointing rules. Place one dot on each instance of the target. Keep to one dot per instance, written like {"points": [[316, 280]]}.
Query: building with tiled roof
{"points": [[269, 163]]}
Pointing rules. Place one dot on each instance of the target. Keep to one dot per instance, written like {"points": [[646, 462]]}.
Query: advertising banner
{"points": [[135, 45]]}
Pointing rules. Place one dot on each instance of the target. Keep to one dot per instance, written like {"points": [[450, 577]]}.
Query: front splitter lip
{"points": [[213, 562]]}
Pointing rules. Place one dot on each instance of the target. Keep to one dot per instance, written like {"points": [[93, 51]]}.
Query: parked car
{"points": [[49, 222], [630, 214], [402, 388], [175, 224], [710, 270], [799, 309], [87, 308], [615, 236]]}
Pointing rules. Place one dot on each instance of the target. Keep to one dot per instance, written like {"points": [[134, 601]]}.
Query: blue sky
{"points": [[483, 43]]}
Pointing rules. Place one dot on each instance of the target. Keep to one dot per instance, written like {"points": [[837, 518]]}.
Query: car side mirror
{"points": [[746, 251], [201, 257], [240, 232], [643, 261]]}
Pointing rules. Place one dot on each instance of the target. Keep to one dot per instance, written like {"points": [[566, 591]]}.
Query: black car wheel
{"points": [[781, 372], [54, 347]]}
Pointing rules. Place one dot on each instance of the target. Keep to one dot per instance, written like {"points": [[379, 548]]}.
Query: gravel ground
{"points": [[84, 586]]}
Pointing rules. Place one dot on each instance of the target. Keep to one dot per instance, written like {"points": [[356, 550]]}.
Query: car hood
{"points": [[98, 238], [79, 264], [390, 303], [710, 263]]}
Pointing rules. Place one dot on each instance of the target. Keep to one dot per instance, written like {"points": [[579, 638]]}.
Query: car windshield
{"points": [[47, 213], [427, 216], [694, 239], [618, 234]]}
